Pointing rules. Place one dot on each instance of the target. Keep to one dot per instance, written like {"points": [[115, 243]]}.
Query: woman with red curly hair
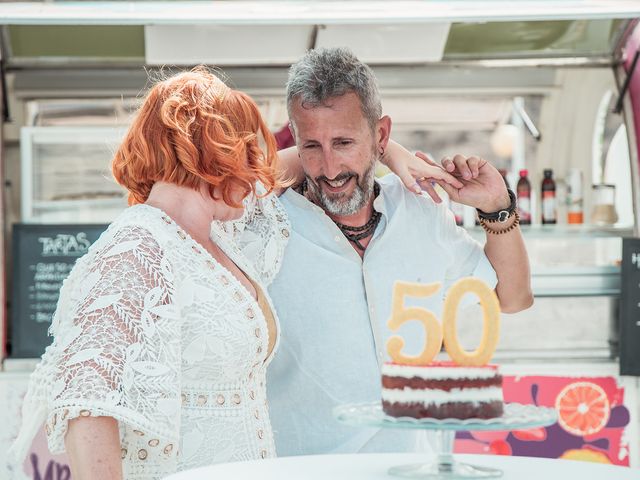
{"points": [[163, 331]]}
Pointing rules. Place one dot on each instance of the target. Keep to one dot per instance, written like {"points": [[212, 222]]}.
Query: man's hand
{"points": [[482, 185]]}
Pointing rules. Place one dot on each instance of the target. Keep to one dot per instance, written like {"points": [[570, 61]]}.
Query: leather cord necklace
{"points": [[355, 234]]}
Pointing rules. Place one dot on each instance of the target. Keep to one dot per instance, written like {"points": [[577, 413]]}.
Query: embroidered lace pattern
{"points": [[152, 331]]}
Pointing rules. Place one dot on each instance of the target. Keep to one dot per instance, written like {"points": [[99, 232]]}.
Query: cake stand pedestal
{"points": [[441, 434]]}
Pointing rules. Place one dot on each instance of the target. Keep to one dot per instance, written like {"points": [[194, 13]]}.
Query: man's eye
{"points": [[310, 146], [344, 142]]}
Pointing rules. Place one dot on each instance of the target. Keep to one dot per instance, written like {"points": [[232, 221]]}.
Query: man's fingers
{"points": [[460, 161], [448, 178], [474, 164], [448, 165], [451, 191]]}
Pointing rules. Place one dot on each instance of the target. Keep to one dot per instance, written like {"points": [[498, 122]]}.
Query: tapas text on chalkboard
{"points": [[43, 256]]}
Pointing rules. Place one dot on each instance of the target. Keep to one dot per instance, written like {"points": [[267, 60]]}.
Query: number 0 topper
{"points": [[435, 333]]}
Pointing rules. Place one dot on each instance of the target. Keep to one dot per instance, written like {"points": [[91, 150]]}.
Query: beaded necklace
{"points": [[355, 234]]}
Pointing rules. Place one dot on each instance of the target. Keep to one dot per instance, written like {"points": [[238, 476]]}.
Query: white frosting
{"points": [[437, 372], [429, 397]]}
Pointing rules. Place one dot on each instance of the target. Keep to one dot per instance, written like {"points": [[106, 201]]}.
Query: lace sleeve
{"points": [[261, 235], [116, 348]]}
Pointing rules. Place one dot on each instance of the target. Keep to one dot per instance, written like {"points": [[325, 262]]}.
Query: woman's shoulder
{"points": [[138, 224], [144, 219]]}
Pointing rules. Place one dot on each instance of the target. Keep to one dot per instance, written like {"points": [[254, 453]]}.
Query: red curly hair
{"points": [[190, 129]]}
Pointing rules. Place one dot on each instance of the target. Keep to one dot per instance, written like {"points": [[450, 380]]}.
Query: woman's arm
{"points": [[290, 168], [93, 448], [416, 173], [408, 167]]}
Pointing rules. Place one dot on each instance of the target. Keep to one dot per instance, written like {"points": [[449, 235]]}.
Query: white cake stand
{"points": [[442, 433]]}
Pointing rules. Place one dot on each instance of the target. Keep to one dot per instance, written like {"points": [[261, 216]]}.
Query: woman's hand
{"points": [[418, 173]]}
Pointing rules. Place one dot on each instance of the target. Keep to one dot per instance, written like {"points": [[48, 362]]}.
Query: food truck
{"points": [[547, 91]]}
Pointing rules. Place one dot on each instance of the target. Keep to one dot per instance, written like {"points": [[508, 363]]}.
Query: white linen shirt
{"points": [[334, 306]]}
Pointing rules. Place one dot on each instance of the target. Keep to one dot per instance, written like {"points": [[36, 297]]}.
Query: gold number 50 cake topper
{"points": [[436, 334]]}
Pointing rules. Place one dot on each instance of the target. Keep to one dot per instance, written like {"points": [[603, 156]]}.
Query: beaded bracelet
{"points": [[516, 222]]}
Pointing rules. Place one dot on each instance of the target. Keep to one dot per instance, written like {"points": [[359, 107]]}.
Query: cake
{"points": [[442, 390]]}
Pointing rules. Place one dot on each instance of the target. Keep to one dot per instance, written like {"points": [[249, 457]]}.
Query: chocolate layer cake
{"points": [[442, 390]]}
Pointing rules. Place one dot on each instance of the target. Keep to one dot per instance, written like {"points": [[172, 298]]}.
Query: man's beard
{"points": [[340, 204]]}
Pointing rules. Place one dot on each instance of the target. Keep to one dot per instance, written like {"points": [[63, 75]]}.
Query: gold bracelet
{"points": [[516, 222]]}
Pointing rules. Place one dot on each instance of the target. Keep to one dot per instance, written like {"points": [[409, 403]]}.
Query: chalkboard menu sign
{"points": [[630, 308], [43, 256]]}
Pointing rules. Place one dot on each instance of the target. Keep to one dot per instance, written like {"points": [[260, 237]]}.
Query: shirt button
{"points": [[336, 238]]}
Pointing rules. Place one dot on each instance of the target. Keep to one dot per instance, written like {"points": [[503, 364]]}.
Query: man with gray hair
{"points": [[353, 237]]}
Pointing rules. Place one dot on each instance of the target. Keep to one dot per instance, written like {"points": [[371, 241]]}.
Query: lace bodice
{"points": [[152, 331]]}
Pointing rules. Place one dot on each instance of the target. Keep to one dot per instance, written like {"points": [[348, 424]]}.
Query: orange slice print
{"points": [[583, 408]]}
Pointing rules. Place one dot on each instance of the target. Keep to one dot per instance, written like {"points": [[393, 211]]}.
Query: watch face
{"points": [[503, 216]]}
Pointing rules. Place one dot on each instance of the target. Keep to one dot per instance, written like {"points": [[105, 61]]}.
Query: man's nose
{"points": [[330, 164]]}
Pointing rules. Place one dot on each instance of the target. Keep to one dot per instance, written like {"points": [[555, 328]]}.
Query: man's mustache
{"points": [[342, 176]]}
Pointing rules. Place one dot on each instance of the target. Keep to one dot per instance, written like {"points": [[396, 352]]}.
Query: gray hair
{"points": [[332, 72]]}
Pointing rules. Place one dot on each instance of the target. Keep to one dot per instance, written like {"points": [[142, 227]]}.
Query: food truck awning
{"points": [[278, 32], [310, 12]]}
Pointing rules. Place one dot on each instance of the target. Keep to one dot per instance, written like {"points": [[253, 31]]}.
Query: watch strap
{"points": [[501, 215]]}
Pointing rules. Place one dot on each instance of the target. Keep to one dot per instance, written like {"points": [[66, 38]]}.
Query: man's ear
{"points": [[383, 132]]}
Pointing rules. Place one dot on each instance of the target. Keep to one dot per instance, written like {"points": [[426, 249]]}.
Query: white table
{"points": [[375, 466]]}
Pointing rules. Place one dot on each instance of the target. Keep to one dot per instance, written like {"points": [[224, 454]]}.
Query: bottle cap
{"points": [[524, 172], [548, 173]]}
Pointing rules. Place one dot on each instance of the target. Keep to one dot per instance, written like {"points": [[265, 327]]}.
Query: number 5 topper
{"points": [[435, 333]]}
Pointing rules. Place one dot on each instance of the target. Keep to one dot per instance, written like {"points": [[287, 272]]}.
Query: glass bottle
{"points": [[523, 193], [575, 213], [549, 214], [604, 208]]}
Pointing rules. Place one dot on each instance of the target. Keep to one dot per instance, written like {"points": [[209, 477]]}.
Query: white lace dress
{"points": [[152, 331]]}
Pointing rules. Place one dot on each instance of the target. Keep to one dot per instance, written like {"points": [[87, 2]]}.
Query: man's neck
{"points": [[357, 219], [363, 222]]}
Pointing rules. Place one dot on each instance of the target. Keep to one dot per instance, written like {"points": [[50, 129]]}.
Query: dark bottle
{"points": [[549, 215], [523, 193]]}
